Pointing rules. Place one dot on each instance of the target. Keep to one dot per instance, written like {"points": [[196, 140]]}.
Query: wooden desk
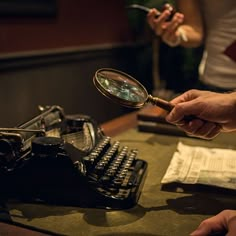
{"points": [[158, 213], [120, 124]]}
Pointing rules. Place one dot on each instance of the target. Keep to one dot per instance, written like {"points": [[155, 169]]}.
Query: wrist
{"points": [[180, 37], [182, 34], [233, 94], [232, 110]]}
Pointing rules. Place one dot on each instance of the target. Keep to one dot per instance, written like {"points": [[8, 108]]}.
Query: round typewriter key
{"points": [[46, 145]]}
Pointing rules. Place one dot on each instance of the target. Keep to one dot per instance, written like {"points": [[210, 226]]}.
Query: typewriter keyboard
{"points": [[115, 169]]}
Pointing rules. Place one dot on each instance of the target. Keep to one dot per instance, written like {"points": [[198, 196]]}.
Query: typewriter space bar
{"points": [[137, 171]]}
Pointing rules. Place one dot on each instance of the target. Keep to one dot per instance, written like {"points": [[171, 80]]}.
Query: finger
{"points": [[156, 22], [156, 13], [153, 13], [164, 16], [192, 127], [185, 105], [207, 227], [222, 222], [231, 224], [175, 22], [213, 132], [151, 17], [160, 23], [201, 129], [176, 115], [181, 110], [187, 96], [205, 129], [172, 34]]}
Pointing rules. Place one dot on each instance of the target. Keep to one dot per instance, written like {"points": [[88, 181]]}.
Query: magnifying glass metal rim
{"points": [[117, 99]]}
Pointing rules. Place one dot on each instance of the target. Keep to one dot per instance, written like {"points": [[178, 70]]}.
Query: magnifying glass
{"points": [[125, 90]]}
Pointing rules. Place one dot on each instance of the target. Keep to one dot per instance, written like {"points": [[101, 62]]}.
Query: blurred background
{"points": [[50, 50]]}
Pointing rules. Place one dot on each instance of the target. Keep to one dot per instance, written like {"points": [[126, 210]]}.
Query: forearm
{"points": [[194, 36], [193, 22]]}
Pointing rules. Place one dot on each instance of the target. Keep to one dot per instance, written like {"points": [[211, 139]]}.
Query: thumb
{"points": [[201, 231], [182, 110]]}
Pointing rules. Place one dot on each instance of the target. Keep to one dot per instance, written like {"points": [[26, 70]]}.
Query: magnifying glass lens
{"points": [[125, 90], [121, 86]]}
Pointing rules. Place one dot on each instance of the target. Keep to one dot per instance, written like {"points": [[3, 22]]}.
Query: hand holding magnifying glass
{"points": [[127, 91]]}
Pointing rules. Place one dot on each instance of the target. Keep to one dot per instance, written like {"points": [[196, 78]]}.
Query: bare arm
{"points": [[193, 22]]}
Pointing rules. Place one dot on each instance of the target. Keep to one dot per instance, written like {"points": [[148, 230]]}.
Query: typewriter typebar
{"points": [[15, 143], [66, 159]]}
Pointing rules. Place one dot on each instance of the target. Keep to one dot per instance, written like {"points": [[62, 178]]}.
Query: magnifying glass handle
{"points": [[166, 106], [160, 103]]}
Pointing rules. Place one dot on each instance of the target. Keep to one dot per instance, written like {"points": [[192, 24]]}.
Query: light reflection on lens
{"points": [[121, 87]]}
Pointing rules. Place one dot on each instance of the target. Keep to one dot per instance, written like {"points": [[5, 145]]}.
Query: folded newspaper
{"points": [[201, 165]]}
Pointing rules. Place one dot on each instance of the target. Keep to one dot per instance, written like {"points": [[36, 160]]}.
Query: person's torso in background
{"points": [[216, 68]]}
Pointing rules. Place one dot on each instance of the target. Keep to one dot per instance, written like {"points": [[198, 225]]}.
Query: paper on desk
{"points": [[200, 165]]}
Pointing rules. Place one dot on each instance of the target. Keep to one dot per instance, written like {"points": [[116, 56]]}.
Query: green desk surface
{"points": [[165, 213]]}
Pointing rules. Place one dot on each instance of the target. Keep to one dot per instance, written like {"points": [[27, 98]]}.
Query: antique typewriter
{"points": [[67, 159]]}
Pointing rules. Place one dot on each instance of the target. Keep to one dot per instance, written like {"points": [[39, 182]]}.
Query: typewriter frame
{"points": [[37, 164]]}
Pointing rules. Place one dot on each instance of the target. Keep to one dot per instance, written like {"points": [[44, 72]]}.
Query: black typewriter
{"points": [[67, 159]]}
